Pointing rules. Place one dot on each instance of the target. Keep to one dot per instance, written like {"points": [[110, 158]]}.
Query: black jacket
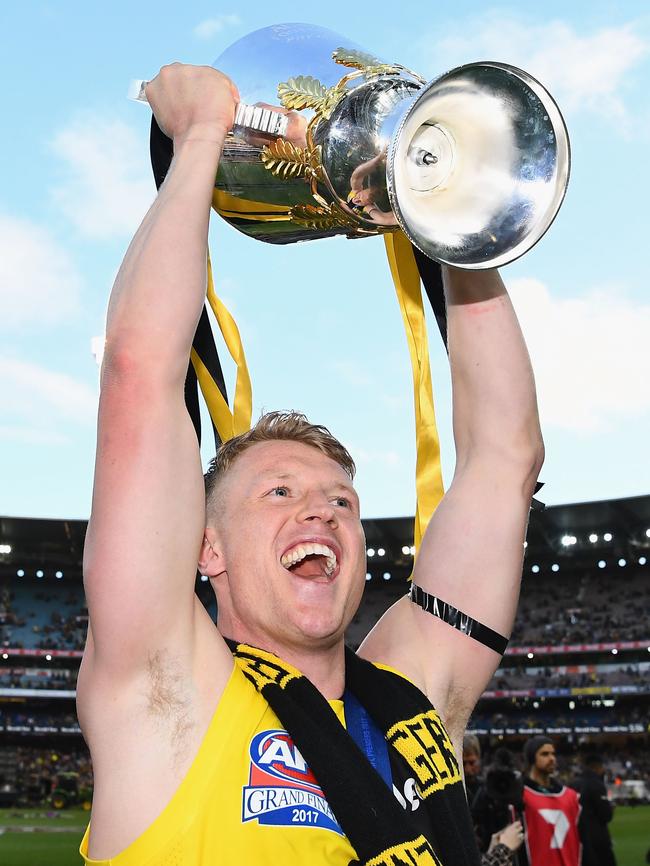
{"points": [[596, 814], [495, 804]]}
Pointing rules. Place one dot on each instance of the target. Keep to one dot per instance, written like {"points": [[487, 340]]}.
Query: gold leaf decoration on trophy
{"points": [[366, 63], [283, 159], [304, 91], [322, 218]]}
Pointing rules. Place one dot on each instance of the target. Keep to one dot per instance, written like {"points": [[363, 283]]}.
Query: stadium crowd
{"points": [[38, 678], [554, 714], [41, 618], [35, 773], [31, 718], [589, 608], [559, 677]]}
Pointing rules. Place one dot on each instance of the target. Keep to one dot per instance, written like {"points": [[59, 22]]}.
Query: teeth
{"points": [[296, 554]]}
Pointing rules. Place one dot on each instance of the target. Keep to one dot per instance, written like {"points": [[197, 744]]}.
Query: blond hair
{"points": [[271, 427]]}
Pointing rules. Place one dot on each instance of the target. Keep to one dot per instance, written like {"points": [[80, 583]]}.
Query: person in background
{"points": [[551, 810], [597, 812], [498, 802], [472, 766]]}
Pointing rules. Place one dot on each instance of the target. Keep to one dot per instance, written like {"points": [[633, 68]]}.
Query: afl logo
{"points": [[275, 753]]}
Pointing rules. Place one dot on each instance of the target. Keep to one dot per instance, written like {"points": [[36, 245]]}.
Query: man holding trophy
{"points": [[262, 740]]}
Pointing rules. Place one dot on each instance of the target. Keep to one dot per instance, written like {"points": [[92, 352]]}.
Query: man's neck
{"points": [[543, 779], [323, 666]]}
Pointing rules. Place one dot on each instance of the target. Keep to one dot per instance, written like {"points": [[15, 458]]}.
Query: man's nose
{"points": [[318, 508]]}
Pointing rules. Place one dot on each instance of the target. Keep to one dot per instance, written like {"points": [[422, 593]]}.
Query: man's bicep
{"points": [[470, 559], [147, 522]]}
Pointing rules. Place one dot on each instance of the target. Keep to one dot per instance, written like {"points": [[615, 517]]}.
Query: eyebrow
{"points": [[286, 476]]}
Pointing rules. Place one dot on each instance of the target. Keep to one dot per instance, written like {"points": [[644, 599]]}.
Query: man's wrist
{"points": [[465, 285], [198, 151], [207, 133]]}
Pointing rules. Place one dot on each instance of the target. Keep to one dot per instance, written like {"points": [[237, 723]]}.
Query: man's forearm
{"points": [[495, 405], [159, 291]]}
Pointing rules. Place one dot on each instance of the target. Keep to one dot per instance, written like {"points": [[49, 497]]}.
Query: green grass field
{"points": [[47, 838], [56, 841], [630, 831]]}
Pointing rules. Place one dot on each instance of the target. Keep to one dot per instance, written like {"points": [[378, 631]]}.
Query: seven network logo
{"points": [[282, 790]]}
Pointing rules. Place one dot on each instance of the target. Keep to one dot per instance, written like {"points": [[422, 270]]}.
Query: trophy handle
{"points": [[136, 90], [260, 119], [255, 118]]}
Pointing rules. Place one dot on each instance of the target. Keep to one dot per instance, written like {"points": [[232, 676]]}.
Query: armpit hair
{"points": [[458, 710], [168, 699]]}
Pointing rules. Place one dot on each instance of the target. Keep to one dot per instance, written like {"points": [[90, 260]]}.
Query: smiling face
{"points": [[289, 549]]}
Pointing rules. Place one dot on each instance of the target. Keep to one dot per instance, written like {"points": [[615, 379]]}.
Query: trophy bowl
{"points": [[331, 140]]}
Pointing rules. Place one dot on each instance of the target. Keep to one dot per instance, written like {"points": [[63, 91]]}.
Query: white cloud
{"points": [[41, 398], [211, 26], [39, 283], [582, 70], [589, 355], [107, 186]]}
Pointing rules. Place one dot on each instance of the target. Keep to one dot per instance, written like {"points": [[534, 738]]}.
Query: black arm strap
{"points": [[459, 620]]}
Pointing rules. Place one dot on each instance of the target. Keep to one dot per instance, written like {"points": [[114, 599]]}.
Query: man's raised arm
{"points": [[148, 507], [472, 552]]}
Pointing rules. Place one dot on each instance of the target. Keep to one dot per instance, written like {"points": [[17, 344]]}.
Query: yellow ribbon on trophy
{"points": [[238, 421], [428, 471]]}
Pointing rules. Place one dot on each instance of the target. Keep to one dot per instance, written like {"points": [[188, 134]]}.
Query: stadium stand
{"points": [[577, 668], [43, 618], [585, 607]]}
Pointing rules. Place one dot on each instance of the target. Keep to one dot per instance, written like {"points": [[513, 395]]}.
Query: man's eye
{"points": [[342, 502], [280, 491]]}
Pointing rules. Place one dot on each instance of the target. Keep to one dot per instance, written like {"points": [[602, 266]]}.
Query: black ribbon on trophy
{"points": [[469, 170]]}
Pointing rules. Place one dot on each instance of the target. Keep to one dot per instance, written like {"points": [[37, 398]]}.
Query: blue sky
{"points": [[320, 321]]}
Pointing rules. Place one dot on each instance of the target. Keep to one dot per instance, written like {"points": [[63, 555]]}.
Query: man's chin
{"points": [[317, 631]]}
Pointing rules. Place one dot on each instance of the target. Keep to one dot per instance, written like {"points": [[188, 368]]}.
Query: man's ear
{"points": [[211, 558]]}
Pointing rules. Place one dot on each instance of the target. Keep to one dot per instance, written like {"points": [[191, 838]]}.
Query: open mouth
{"points": [[310, 560]]}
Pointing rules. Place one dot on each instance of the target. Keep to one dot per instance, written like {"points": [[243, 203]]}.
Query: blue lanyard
{"points": [[368, 737]]}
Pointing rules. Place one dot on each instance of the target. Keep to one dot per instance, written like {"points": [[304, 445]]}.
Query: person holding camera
{"points": [[497, 807]]}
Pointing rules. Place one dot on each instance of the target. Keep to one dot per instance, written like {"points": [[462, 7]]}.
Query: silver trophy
{"points": [[329, 139]]}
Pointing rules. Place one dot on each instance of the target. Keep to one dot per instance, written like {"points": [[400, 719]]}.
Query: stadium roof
{"points": [[41, 543], [58, 544]]}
